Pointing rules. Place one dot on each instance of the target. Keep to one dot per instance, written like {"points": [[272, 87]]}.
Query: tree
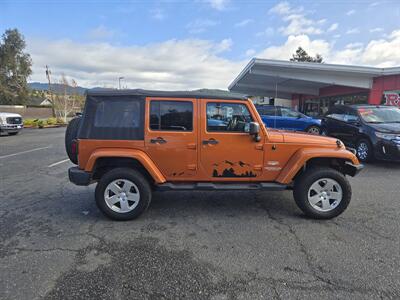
{"points": [[15, 68], [302, 55], [65, 104]]}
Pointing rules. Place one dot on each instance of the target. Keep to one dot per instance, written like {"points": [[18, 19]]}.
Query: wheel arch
{"points": [[103, 160], [305, 159]]}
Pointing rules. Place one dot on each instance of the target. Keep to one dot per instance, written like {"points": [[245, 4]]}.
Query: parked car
{"points": [[10, 123], [374, 131], [286, 118], [132, 142]]}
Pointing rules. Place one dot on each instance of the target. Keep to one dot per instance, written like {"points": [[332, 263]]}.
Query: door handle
{"points": [[210, 142], [158, 140]]}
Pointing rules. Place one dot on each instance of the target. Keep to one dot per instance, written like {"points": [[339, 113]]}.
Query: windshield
{"points": [[380, 115]]}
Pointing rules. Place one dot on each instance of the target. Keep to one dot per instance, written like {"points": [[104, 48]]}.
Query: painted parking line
{"points": [[58, 163], [24, 152]]}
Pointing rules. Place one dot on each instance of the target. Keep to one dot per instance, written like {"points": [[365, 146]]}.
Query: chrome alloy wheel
{"points": [[362, 151], [314, 130], [122, 195], [325, 194]]}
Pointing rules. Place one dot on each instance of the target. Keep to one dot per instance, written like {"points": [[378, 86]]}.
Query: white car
{"points": [[10, 123]]}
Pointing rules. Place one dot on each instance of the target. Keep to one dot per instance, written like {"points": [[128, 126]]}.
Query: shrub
{"points": [[51, 121], [29, 122], [41, 123]]}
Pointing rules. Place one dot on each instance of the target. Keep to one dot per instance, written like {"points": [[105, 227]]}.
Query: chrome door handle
{"points": [[210, 142], [158, 140]]}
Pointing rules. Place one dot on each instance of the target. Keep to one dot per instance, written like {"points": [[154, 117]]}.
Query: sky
{"points": [[195, 44]]}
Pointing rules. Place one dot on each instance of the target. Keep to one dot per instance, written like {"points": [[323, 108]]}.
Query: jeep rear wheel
{"points": [[123, 194], [322, 193]]}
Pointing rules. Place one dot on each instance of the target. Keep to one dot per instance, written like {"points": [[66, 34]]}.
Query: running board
{"points": [[207, 186]]}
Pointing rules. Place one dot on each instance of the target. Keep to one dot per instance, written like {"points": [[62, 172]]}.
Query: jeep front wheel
{"points": [[123, 194], [322, 193]]}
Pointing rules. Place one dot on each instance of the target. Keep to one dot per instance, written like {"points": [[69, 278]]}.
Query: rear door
{"points": [[227, 151], [171, 136]]}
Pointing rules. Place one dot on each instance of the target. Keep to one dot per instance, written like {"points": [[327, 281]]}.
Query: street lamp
{"points": [[119, 81]]}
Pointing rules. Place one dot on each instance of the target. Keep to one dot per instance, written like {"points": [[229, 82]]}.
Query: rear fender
{"points": [[127, 153], [300, 158]]}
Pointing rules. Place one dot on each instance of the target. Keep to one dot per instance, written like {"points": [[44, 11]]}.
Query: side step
{"points": [[208, 186]]}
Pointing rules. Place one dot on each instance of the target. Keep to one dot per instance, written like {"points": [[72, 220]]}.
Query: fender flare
{"points": [[301, 156], [142, 157]]}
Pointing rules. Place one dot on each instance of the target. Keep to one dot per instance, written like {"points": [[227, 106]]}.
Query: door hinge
{"points": [[257, 167], [192, 146], [259, 147]]}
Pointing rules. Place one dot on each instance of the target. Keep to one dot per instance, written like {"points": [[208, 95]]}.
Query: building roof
{"points": [[198, 94], [282, 79]]}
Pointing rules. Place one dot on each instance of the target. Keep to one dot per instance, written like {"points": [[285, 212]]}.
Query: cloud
{"points": [[170, 65], [223, 46], [268, 32], [350, 12], [377, 29], [101, 33], [250, 52], [200, 25], [286, 50], [244, 23], [157, 14], [296, 19], [218, 4], [353, 31], [333, 27]]}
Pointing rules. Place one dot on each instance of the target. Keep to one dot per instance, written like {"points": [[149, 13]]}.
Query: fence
{"points": [[28, 112]]}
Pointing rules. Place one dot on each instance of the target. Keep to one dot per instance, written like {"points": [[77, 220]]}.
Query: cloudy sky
{"points": [[195, 44]]}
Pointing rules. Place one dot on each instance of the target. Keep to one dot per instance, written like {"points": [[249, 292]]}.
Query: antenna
{"points": [[276, 95]]}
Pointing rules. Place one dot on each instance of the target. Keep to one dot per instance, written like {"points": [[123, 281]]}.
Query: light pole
{"points": [[119, 81]]}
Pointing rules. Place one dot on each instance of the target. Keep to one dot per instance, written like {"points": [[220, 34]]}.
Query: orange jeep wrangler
{"points": [[135, 141]]}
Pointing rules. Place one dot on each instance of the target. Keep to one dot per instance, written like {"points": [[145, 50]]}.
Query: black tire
{"points": [[129, 174], [71, 134], [303, 184], [361, 155], [13, 133], [314, 129]]}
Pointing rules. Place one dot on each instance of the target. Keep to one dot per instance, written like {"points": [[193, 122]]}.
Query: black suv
{"points": [[374, 131]]}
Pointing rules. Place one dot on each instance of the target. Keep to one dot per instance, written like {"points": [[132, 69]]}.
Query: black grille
{"points": [[14, 120]]}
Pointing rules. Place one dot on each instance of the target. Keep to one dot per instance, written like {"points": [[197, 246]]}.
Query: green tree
{"points": [[15, 68], [302, 55]]}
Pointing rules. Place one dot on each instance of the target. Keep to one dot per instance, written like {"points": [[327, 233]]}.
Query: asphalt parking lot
{"points": [[54, 243]]}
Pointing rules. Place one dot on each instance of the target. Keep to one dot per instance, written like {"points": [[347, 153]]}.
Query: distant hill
{"points": [[56, 87]]}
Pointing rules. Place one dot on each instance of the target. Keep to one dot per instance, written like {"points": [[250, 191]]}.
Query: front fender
{"points": [[301, 156], [128, 153]]}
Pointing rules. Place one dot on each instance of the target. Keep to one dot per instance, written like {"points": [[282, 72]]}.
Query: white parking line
{"points": [[57, 163], [23, 152]]}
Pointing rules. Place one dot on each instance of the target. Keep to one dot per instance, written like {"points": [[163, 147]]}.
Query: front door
{"points": [[227, 151], [171, 137]]}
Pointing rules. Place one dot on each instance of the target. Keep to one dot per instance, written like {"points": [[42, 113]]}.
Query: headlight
{"points": [[386, 136]]}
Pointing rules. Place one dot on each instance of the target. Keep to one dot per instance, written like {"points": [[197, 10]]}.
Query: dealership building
{"points": [[314, 87]]}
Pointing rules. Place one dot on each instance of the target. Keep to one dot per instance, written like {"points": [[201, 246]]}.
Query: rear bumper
{"points": [[79, 177], [352, 169]]}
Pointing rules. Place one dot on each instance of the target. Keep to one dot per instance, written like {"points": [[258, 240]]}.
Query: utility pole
{"points": [[119, 81], [48, 73]]}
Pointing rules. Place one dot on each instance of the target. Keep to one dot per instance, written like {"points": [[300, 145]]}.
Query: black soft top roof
{"points": [[198, 94]]}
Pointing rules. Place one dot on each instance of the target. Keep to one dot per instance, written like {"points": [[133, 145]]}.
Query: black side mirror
{"points": [[255, 130]]}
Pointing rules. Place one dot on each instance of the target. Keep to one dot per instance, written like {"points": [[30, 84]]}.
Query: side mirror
{"points": [[255, 130]]}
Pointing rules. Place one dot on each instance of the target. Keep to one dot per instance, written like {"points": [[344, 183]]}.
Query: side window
{"points": [[171, 115], [336, 114], [231, 117], [286, 112], [270, 111], [350, 116]]}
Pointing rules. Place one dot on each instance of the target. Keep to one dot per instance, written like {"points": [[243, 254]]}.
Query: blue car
{"points": [[280, 117]]}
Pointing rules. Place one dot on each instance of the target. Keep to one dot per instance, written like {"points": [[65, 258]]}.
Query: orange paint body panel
{"points": [[188, 156]]}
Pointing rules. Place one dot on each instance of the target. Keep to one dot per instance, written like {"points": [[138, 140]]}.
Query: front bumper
{"points": [[79, 177], [11, 127], [352, 169], [387, 150]]}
